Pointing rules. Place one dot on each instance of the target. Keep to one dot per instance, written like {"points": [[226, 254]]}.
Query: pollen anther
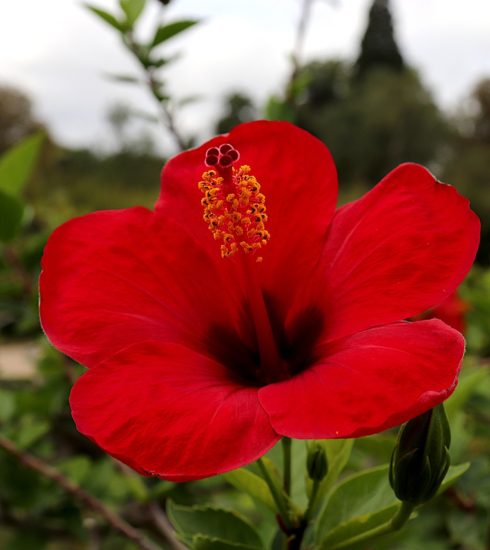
{"points": [[234, 207]]}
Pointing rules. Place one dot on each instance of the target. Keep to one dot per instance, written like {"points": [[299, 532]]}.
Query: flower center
{"points": [[234, 207], [235, 211]]}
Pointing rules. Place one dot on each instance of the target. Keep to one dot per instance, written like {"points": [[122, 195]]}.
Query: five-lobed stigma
{"points": [[234, 207]]}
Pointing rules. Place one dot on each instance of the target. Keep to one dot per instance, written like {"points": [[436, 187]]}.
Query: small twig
{"points": [[167, 116], [113, 519], [301, 33], [301, 29], [161, 522]]}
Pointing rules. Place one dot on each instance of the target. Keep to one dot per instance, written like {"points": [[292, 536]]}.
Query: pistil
{"points": [[236, 214], [272, 367]]}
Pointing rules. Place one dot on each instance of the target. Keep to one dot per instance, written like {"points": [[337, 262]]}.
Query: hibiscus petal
{"points": [[171, 412], [396, 252], [297, 176], [368, 382], [114, 278]]}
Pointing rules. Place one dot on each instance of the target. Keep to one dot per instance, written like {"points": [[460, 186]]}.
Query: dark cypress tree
{"points": [[378, 46]]}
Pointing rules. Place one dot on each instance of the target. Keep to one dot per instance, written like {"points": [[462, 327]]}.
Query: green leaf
{"points": [[126, 78], [30, 430], [132, 9], [453, 474], [189, 100], [17, 164], [357, 504], [277, 109], [252, 484], [468, 384], [107, 17], [11, 213], [205, 522], [7, 405], [136, 487], [200, 542], [362, 502], [338, 452], [298, 473], [77, 468], [165, 32]]}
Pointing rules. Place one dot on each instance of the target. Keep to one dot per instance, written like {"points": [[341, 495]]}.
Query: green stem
{"points": [[396, 523], [276, 494], [154, 87], [286, 455], [311, 503]]}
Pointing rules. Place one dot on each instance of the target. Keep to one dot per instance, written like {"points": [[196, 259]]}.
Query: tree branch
{"points": [[163, 525], [88, 500]]}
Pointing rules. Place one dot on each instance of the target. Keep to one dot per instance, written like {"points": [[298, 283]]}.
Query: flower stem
{"points": [[311, 503], [286, 455], [276, 493], [396, 523]]}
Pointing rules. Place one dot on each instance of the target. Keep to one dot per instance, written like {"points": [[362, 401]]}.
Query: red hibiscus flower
{"points": [[206, 341]]}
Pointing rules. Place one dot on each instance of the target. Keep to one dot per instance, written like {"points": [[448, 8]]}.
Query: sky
{"points": [[58, 53]]}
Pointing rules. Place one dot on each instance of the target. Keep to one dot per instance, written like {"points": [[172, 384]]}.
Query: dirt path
{"points": [[18, 360]]}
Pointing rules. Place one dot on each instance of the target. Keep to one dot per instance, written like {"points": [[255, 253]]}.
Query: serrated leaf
{"points": [[362, 502], [107, 17], [165, 32], [212, 523], [356, 503], [11, 213], [252, 484], [17, 164], [132, 10]]}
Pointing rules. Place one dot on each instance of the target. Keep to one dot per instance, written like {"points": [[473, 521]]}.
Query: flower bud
{"points": [[316, 462], [420, 459]]}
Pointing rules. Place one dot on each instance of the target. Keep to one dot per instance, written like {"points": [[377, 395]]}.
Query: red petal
{"points": [[171, 412], [396, 252], [368, 382], [114, 278], [298, 178], [452, 311]]}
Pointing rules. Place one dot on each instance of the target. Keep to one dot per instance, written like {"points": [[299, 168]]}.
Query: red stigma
{"points": [[222, 157]]}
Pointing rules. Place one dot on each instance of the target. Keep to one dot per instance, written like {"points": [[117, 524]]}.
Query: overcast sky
{"points": [[57, 52]]}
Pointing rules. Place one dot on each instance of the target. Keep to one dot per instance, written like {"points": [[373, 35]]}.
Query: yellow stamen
{"points": [[235, 211]]}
